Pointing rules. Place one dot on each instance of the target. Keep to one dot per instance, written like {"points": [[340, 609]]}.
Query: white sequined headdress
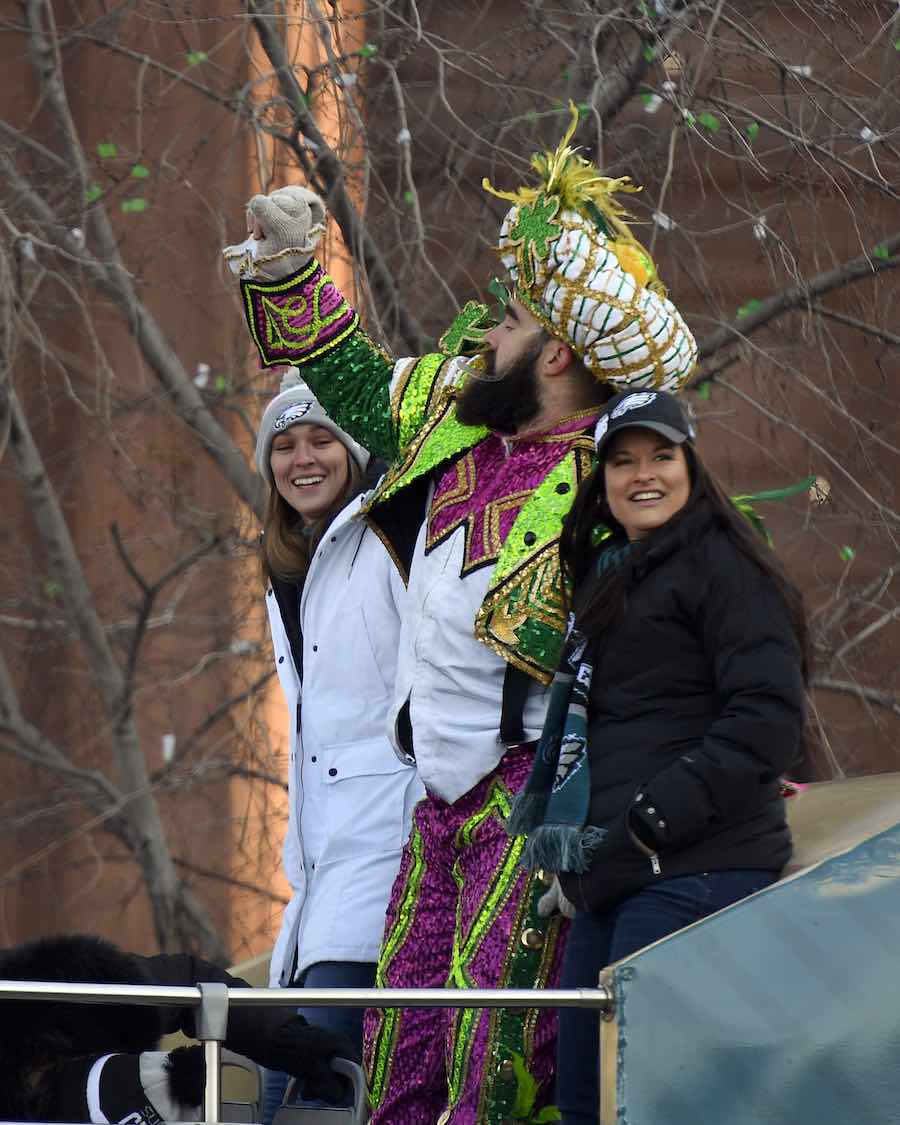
{"points": [[575, 264]]}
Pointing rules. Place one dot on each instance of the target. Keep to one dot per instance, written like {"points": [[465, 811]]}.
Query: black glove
{"points": [[305, 1051], [274, 1037]]}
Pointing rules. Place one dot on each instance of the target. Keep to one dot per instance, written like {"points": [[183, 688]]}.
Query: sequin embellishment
{"points": [[487, 488], [297, 319]]}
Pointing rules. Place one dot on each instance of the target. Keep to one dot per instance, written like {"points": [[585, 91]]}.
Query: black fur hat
{"points": [[36, 1031]]}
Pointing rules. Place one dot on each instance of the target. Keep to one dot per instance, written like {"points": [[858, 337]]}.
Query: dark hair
{"points": [[599, 603], [287, 544]]}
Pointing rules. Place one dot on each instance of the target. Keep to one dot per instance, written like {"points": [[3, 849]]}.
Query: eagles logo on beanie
{"points": [[295, 403]]}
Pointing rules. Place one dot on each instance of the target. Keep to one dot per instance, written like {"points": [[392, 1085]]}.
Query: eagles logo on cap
{"points": [[651, 410], [633, 402]]}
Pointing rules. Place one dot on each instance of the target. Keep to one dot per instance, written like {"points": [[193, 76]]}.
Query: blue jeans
{"points": [[326, 974], [597, 940]]}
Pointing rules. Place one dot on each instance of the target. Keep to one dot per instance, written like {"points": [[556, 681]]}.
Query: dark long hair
{"points": [[288, 544], [599, 601]]}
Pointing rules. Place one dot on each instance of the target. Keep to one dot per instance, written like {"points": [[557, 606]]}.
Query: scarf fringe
{"points": [[561, 847], [526, 813]]}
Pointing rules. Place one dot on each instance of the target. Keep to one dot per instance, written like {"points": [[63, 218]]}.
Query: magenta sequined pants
{"points": [[463, 915]]}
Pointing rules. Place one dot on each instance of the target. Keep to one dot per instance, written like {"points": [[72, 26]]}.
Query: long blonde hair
{"points": [[287, 544]]}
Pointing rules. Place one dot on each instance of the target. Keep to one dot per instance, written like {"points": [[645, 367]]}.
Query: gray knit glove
{"points": [[554, 901], [285, 227]]}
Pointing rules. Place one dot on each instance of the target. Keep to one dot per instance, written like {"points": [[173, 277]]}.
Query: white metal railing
{"points": [[214, 1001]]}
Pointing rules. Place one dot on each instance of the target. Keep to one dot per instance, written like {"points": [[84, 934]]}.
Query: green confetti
{"points": [[526, 1089], [140, 171], [195, 57], [52, 588], [501, 295], [526, 1094], [367, 50], [497, 289], [408, 197], [881, 252], [848, 554], [704, 389], [106, 150], [93, 193], [531, 116], [649, 53], [743, 505], [753, 130], [220, 384], [897, 44], [710, 121], [689, 119], [583, 108], [646, 97], [751, 306], [133, 206], [783, 493]]}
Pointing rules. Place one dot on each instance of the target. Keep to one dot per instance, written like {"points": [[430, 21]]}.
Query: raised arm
{"points": [[296, 315]]}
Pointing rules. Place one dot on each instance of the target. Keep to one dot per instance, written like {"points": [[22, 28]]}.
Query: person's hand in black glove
{"points": [[274, 1037], [305, 1051]]}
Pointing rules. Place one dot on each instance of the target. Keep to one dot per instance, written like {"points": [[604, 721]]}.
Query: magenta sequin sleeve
{"points": [[305, 320], [298, 318]]}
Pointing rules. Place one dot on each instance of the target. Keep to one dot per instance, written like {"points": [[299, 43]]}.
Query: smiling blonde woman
{"points": [[334, 598]]}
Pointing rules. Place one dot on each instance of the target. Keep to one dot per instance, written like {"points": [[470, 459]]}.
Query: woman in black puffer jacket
{"points": [[678, 705]]}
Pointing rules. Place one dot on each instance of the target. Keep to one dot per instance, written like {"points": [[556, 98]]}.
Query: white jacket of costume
{"points": [[350, 796]]}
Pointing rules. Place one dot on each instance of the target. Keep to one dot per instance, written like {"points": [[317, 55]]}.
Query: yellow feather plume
{"points": [[580, 187]]}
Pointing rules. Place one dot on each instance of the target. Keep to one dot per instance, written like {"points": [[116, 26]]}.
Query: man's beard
{"points": [[505, 403]]}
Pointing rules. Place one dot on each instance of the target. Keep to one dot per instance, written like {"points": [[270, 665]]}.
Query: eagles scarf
{"points": [[552, 808]]}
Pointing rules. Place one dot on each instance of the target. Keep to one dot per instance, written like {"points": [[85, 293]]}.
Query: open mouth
{"points": [[306, 482], [647, 497]]}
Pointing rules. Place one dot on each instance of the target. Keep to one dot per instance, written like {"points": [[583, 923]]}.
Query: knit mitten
{"points": [[555, 902], [285, 227]]}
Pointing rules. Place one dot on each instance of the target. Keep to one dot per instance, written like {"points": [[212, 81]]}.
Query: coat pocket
{"points": [[366, 795]]}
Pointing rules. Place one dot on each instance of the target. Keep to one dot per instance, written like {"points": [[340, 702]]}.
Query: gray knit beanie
{"points": [[293, 404]]}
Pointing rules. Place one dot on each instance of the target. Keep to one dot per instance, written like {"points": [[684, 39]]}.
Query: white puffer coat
{"points": [[351, 798]]}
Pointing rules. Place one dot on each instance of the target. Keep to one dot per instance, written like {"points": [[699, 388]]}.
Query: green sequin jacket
{"points": [[404, 412]]}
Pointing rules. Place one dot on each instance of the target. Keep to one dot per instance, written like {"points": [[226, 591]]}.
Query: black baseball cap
{"points": [[651, 410]]}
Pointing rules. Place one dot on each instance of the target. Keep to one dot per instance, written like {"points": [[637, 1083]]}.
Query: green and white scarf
{"points": [[552, 809]]}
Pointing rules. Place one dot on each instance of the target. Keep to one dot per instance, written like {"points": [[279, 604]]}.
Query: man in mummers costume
{"points": [[486, 454], [64, 1061]]}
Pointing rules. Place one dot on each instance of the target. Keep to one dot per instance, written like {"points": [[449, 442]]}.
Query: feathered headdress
{"points": [[577, 267], [577, 184]]}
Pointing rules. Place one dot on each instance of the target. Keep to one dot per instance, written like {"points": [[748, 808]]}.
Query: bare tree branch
{"points": [[172, 902], [328, 177], [870, 695], [799, 297], [229, 880], [113, 281], [852, 322]]}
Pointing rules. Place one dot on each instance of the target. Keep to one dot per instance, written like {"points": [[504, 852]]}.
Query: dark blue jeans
{"points": [[597, 940], [326, 974]]}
